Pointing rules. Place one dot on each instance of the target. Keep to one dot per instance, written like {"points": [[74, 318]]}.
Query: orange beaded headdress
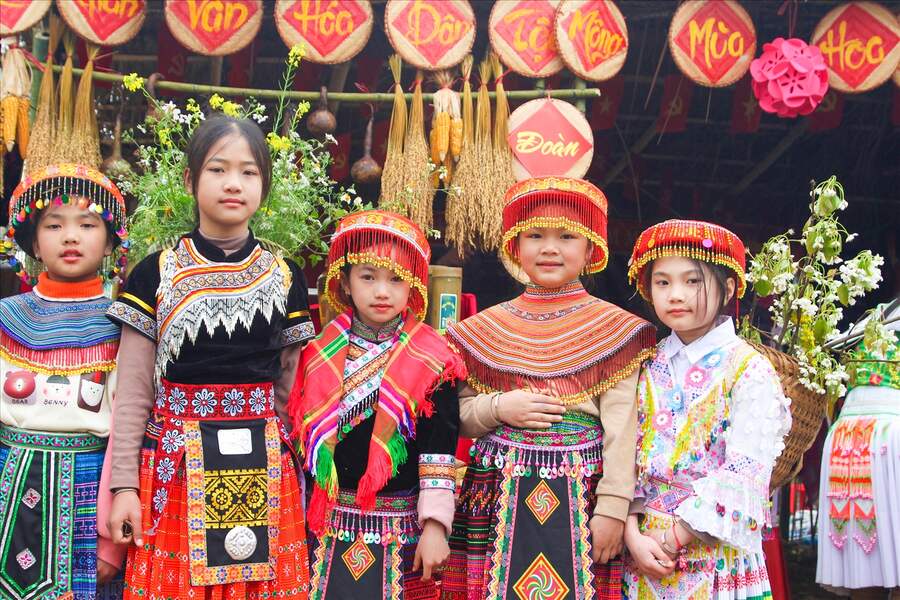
{"points": [[690, 239], [60, 184], [572, 204], [383, 239]]}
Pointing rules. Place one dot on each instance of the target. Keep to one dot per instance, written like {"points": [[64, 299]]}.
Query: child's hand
{"points": [[527, 410], [432, 551], [105, 571], [648, 556], [606, 538], [125, 511]]}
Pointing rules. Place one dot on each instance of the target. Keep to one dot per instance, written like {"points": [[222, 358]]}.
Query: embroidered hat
{"points": [[63, 184], [690, 239], [383, 239], [574, 204]]}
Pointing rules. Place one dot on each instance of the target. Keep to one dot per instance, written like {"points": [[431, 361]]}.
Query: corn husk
{"points": [[461, 227], [44, 128], [502, 176], [392, 175], [15, 90]]}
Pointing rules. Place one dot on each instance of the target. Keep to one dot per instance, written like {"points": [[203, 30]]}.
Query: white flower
{"points": [[259, 118], [806, 306]]}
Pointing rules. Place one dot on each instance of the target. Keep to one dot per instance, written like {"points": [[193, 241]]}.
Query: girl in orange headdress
{"points": [[551, 395]]}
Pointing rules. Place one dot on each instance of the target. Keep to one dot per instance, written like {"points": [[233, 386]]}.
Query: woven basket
{"points": [[807, 412]]}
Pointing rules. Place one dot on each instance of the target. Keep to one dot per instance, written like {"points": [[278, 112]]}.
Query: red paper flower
{"points": [[789, 78]]}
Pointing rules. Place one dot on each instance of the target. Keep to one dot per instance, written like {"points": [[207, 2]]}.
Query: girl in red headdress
{"points": [[712, 421], [375, 408]]}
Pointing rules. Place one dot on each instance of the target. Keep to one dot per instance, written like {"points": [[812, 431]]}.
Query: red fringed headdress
{"points": [[572, 204], [690, 239], [383, 239]]}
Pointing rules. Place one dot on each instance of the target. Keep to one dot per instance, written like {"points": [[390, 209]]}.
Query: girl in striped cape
{"points": [[375, 408]]}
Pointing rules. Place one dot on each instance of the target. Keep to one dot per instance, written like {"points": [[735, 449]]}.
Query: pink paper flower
{"points": [[789, 78]]}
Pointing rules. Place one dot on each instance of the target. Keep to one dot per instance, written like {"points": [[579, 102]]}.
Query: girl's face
{"points": [[552, 256], [71, 241], [378, 294], [685, 297], [229, 188]]}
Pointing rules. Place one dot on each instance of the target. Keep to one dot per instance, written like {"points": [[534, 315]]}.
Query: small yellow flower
{"points": [[216, 101], [298, 51], [192, 106], [277, 142], [163, 134], [133, 82], [232, 109]]}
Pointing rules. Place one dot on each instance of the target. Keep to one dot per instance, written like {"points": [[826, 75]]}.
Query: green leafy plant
{"points": [[303, 203], [809, 293]]}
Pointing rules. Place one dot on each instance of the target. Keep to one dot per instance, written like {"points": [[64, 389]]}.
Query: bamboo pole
{"points": [[351, 97]]}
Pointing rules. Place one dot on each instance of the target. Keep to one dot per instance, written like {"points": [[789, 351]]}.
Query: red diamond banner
{"points": [[713, 41], [332, 31], [430, 34], [214, 28], [860, 42], [105, 23], [522, 35], [19, 15], [550, 137], [591, 37]]}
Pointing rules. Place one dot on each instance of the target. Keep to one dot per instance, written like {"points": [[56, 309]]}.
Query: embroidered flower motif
{"points": [[160, 498], [233, 403], [675, 399], [662, 420], [712, 359], [165, 469], [875, 379], [258, 401], [172, 441], [204, 402], [177, 401], [160, 399], [697, 376]]}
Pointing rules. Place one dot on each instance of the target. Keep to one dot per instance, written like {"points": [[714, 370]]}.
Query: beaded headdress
{"points": [[63, 184], [383, 239], [573, 204], [691, 239]]}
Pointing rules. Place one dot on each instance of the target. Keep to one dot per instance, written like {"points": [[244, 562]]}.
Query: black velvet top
{"points": [[246, 355]]}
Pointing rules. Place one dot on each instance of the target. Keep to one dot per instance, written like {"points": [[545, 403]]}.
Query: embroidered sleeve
{"points": [[136, 304], [298, 325], [437, 436], [731, 502]]}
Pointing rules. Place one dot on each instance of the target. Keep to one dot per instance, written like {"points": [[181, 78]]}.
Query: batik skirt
{"points": [[369, 555], [222, 505], [521, 528], [48, 515]]}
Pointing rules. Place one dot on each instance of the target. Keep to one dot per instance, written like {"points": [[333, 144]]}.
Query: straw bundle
{"points": [[501, 170], [392, 176], [462, 205], [66, 104], [44, 129], [417, 187], [83, 145]]}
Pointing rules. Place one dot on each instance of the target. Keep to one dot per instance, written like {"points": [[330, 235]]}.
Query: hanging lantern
{"points": [[789, 78]]}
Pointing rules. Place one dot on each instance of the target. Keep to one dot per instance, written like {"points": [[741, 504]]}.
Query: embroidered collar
{"points": [[213, 253], [376, 334], [50, 289], [718, 337], [570, 290]]}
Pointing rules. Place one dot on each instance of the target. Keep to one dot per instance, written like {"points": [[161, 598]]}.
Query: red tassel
{"points": [[319, 506], [378, 471]]}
